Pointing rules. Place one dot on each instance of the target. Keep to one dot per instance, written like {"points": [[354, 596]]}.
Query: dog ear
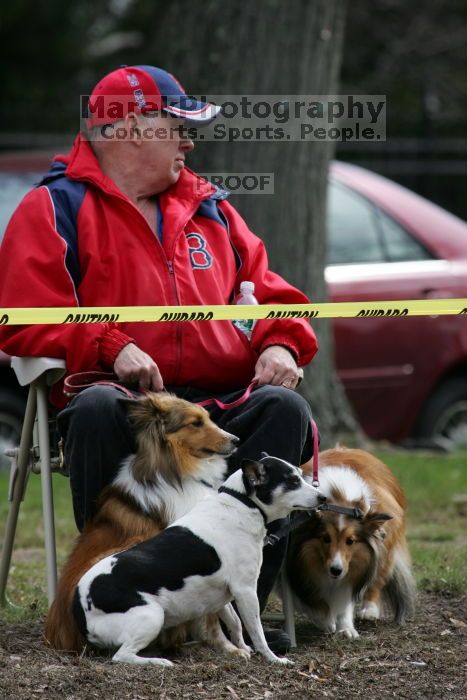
{"points": [[126, 402], [264, 455], [254, 475], [154, 453], [373, 521]]}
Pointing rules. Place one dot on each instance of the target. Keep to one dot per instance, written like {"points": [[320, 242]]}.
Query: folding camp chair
{"points": [[33, 454], [288, 608]]}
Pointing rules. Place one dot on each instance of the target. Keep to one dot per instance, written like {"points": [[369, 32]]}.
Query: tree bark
{"points": [[273, 48]]}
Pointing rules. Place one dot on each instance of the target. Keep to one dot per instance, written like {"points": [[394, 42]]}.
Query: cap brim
{"points": [[197, 113]]}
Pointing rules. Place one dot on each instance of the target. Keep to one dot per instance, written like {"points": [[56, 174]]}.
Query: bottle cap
{"points": [[247, 287]]}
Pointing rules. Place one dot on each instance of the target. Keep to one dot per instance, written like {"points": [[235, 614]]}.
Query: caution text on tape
{"points": [[160, 314]]}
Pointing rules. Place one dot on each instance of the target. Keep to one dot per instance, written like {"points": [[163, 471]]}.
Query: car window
{"points": [[360, 232], [13, 187], [353, 232], [399, 244]]}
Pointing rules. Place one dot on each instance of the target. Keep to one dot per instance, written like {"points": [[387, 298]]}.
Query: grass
{"points": [[437, 532], [436, 528], [26, 590]]}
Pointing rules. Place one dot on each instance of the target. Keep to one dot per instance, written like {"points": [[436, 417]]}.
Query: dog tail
{"points": [[61, 629], [400, 591]]}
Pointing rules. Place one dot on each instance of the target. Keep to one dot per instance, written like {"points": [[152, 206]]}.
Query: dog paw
{"points": [[287, 662], [161, 662], [243, 653], [246, 648], [370, 611], [324, 624], [283, 660], [349, 633]]}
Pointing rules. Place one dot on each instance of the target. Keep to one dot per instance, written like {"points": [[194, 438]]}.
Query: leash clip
{"points": [[355, 513]]}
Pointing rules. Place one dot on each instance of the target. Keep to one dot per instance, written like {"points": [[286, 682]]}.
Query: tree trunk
{"points": [[272, 48]]}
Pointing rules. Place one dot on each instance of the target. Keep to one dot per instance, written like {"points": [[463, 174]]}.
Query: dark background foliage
{"points": [[412, 52]]}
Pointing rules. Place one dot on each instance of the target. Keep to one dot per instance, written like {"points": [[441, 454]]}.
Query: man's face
{"points": [[164, 146]]}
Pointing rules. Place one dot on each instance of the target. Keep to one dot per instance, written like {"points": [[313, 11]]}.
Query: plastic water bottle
{"points": [[246, 296]]}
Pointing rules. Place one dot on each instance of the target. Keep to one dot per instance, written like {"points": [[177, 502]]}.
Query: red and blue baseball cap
{"points": [[144, 89]]}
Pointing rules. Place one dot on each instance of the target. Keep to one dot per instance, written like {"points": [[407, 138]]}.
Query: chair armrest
{"points": [[28, 369]]}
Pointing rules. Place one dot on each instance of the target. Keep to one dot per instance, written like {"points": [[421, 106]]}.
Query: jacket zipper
{"points": [[170, 268], [178, 325], [171, 271]]}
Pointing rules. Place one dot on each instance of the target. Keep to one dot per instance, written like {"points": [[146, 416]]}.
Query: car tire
{"points": [[444, 416], [12, 407]]}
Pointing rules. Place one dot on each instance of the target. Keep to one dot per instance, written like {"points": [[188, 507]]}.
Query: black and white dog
{"points": [[198, 565]]}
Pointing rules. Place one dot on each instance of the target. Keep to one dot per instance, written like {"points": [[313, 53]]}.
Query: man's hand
{"points": [[134, 365], [276, 366]]}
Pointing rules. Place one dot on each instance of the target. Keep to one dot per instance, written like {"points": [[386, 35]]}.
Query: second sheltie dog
{"points": [[334, 561], [180, 457]]}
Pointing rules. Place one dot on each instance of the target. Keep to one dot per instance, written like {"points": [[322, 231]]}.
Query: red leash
{"points": [[314, 430], [238, 402], [75, 383], [243, 398]]}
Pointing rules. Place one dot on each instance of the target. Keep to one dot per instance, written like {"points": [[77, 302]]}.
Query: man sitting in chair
{"points": [[121, 221]]}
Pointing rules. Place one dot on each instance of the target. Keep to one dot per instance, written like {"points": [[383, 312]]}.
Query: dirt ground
{"points": [[425, 659]]}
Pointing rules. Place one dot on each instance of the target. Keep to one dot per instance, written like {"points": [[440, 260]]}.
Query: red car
{"points": [[405, 377]]}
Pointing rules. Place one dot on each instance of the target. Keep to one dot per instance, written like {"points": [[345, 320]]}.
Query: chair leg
{"points": [[288, 607], [19, 475], [47, 494]]}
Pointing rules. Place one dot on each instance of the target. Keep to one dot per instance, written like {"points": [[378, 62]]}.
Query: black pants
{"points": [[98, 437]]}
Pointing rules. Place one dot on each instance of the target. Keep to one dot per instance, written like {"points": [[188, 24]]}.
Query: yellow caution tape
{"points": [[151, 314]]}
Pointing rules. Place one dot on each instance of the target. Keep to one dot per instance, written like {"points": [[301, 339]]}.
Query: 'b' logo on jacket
{"points": [[200, 257]]}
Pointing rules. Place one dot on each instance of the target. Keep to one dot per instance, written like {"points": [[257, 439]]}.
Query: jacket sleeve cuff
{"points": [[285, 342], [111, 343]]}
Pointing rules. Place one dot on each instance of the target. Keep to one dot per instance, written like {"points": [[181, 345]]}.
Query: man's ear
{"points": [[254, 475], [133, 126]]}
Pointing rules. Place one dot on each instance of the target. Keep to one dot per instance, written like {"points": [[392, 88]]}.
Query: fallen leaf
{"points": [[232, 692], [457, 623]]}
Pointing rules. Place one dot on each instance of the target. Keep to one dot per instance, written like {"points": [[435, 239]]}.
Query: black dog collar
{"points": [[298, 520], [243, 499]]}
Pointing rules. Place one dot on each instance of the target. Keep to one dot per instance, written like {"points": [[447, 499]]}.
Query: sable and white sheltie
{"points": [[334, 560], [180, 457]]}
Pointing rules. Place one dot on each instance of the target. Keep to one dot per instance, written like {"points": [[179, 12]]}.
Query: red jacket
{"points": [[115, 259]]}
